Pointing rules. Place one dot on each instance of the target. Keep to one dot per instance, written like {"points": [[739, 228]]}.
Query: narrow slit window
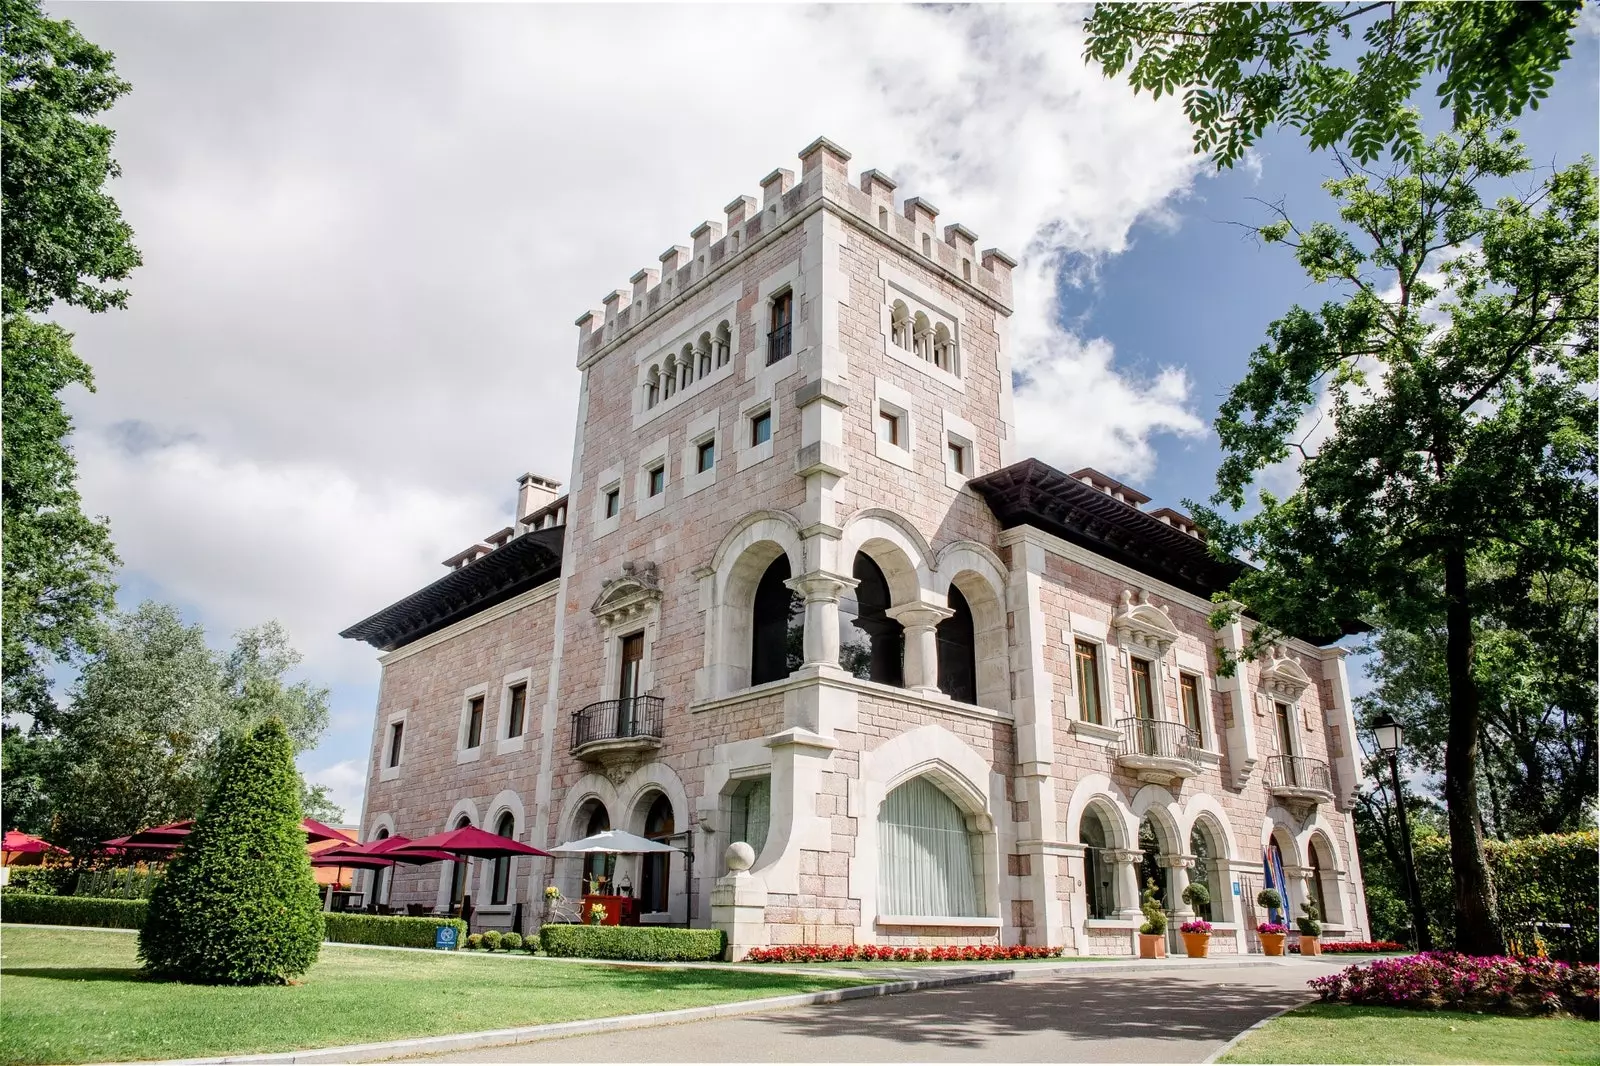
{"points": [[705, 456], [761, 428], [658, 480], [397, 733], [517, 712], [613, 502], [475, 722], [1088, 662], [1189, 685]]}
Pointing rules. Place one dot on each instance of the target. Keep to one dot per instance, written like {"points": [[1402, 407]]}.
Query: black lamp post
{"points": [[1387, 732]]}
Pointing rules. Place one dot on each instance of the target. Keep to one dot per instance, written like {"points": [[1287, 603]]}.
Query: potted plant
{"points": [[1310, 929], [1272, 934], [1153, 933], [1196, 933], [597, 914]]}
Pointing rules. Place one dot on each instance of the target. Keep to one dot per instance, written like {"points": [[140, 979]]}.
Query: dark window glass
{"points": [[871, 644], [1200, 848], [705, 456], [458, 872], [396, 735], [519, 707], [658, 480], [1189, 685], [598, 867], [1143, 702], [1097, 871], [958, 660], [761, 428], [379, 893], [655, 884], [501, 882], [475, 722], [1087, 656], [778, 635], [613, 502]]}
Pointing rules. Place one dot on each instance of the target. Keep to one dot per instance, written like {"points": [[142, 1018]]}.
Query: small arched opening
{"points": [[598, 870], [871, 644], [958, 656], [777, 636], [500, 883], [381, 885], [655, 876], [458, 870], [1099, 875]]}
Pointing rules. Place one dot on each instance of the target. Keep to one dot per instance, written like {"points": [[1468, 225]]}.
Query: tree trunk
{"points": [[1477, 912]]}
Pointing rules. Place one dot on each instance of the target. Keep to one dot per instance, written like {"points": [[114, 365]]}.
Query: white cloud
{"points": [[368, 228], [347, 784]]}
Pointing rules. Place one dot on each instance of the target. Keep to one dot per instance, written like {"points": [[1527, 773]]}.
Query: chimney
{"points": [[533, 492]]}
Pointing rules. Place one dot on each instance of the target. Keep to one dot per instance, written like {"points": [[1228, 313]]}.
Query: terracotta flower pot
{"points": [[1310, 945], [1272, 943], [1196, 944], [1152, 946]]}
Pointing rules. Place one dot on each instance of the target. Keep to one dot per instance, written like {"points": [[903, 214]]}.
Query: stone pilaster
{"points": [[921, 622]]}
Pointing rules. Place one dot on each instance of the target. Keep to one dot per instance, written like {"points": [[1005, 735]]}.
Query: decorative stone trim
{"points": [[1141, 624]]}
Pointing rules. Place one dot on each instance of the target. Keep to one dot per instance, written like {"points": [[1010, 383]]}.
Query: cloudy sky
{"points": [[367, 230]]}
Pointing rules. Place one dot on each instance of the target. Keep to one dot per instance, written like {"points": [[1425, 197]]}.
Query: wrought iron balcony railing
{"points": [[1158, 739], [1299, 773], [631, 718], [778, 344]]}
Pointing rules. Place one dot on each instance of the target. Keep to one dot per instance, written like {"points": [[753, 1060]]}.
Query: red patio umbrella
{"points": [[470, 842], [16, 844], [166, 838]]}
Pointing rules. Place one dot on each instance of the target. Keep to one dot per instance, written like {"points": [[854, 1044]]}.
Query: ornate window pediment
{"points": [[1144, 625], [624, 598], [1282, 676]]}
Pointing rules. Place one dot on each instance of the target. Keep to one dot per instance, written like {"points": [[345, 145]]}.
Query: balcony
{"points": [[1158, 752], [617, 732], [778, 344], [1299, 781]]}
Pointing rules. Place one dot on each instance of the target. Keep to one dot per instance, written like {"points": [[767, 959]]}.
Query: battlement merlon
{"points": [[824, 176]]}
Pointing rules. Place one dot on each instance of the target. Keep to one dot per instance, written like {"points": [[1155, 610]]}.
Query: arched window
{"points": [[458, 871], [944, 348], [871, 644], [652, 388], [703, 351], [922, 337], [656, 881], [777, 636], [598, 868], [501, 882], [1316, 882], [669, 378], [1205, 869], [381, 885], [925, 855], [1098, 874], [900, 325], [686, 366], [752, 812], [958, 658], [723, 344], [1150, 865]]}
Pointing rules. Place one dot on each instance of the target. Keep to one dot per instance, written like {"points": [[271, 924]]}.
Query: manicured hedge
{"points": [[647, 943], [30, 909], [393, 931], [1553, 879]]}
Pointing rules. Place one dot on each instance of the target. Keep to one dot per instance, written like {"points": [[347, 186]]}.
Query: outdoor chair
{"points": [[418, 910]]}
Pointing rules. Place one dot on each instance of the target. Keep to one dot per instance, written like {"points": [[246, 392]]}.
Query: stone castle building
{"points": [[803, 593]]}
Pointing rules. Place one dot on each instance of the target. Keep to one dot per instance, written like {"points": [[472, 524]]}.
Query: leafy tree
{"points": [[62, 239], [1245, 67], [239, 905], [1455, 367], [151, 717]]}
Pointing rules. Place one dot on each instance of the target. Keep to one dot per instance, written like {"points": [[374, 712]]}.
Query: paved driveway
{"points": [[1167, 1016]]}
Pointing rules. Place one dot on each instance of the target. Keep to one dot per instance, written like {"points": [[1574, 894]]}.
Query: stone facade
{"points": [[848, 367]]}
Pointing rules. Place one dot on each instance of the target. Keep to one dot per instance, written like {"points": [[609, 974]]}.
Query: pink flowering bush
{"points": [[1443, 980], [1272, 927], [1357, 947], [1199, 925], [889, 953]]}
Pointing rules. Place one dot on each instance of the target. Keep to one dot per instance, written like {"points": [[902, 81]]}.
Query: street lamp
{"points": [[1388, 735]]}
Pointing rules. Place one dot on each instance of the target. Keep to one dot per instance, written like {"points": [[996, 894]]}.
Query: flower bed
{"points": [[1357, 947], [889, 953], [1448, 981]]}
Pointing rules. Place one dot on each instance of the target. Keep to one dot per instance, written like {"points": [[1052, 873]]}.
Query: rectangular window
{"points": [[1189, 685], [705, 456], [761, 428], [658, 480], [958, 458], [475, 722], [397, 733], [613, 502], [1087, 656], [1143, 699], [519, 707], [779, 343], [889, 427]]}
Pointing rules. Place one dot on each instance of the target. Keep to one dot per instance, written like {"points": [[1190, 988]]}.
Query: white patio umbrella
{"points": [[613, 842]]}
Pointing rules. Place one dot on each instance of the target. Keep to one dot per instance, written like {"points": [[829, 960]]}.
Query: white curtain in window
{"points": [[925, 855], [752, 812]]}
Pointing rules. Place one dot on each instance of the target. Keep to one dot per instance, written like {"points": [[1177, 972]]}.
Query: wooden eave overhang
{"points": [[520, 564]]}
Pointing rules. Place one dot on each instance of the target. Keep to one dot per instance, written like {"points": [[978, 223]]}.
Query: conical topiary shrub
{"points": [[238, 905]]}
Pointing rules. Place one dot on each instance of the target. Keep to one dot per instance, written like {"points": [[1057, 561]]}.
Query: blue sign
{"points": [[444, 938], [1236, 888]]}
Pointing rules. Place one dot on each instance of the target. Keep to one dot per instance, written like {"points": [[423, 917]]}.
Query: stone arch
{"points": [[1156, 803], [384, 820], [573, 823], [895, 545], [1327, 873], [737, 566], [505, 802], [980, 576], [1108, 881], [1097, 790], [640, 789], [960, 773], [376, 880], [1204, 816], [466, 808]]}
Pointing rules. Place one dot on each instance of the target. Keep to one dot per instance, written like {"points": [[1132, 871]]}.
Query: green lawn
{"points": [[76, 996], [1333, 1032]]}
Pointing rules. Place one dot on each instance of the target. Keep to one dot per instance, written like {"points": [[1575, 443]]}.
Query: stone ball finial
{"points": [[739, 856]]}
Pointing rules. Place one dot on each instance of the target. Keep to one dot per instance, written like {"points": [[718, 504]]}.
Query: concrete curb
{"points": [[390, 1049], [1229, 1046]]}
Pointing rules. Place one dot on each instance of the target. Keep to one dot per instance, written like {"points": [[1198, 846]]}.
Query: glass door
{"points": [[628, 683]]}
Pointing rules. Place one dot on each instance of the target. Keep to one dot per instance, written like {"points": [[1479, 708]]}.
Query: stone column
{"points": [[1126, 861], [1299, 885], [921, 622], [821, 590], [739, 903], [1177, 880]]}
